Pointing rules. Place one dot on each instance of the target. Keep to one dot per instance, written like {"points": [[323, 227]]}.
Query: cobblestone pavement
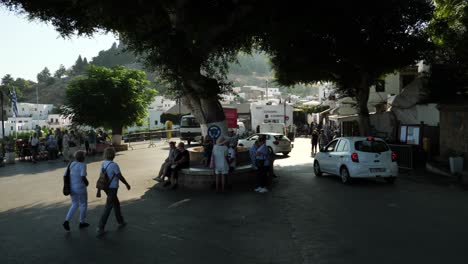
{"points": [[304, 219]]}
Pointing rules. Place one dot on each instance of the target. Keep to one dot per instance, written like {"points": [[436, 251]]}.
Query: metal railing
{"points": [[405, 154], [151, 138]]}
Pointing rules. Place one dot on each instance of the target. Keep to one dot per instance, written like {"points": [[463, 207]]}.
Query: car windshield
{"points": [[189, 122], [371, 146]]}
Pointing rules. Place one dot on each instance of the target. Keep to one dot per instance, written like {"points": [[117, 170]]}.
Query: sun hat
{"points": [[221, 141]]}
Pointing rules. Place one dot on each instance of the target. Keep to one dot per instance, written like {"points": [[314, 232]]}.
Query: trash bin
{"points": [[456, 165]]}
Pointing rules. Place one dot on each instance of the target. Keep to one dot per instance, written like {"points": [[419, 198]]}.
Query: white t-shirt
{"points": [[77, 171], [219, 154], [112, 170]]}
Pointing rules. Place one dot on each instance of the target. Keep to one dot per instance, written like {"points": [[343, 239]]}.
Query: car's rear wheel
{"points": [[317, 170], [286, 153], [344, 173], [390, 180]]}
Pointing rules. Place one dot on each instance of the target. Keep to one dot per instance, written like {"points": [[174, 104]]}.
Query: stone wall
{"points": [[454, 131]]}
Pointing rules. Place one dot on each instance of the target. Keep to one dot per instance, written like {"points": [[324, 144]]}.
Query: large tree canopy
{"points": [[111, 98], [362, 40]]}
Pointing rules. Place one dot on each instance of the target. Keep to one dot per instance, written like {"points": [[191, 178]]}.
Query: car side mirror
{"points": [[322, 149]]}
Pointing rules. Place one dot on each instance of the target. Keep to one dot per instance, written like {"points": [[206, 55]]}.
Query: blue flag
{"points": [[14, 102]]}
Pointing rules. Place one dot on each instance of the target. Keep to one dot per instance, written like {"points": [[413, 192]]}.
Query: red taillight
{"points": [[276, 142], [370, 139], [394, 156], [355, 157]]}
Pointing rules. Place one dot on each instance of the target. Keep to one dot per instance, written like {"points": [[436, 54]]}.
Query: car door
{"points": [[340, 155], [248, 142], [326, 162]]}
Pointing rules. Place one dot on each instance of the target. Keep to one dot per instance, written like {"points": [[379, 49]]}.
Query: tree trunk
{"points": [[206, 108], [117, 135], [362, 98]]}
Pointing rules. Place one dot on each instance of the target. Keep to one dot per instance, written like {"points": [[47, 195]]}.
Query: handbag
{"points": [[66, 182], [103, 181]]}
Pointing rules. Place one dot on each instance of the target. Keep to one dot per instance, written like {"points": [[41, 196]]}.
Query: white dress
{"points": [[219, 155]]}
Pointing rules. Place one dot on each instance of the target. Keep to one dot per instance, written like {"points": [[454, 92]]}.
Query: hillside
{"points": [[252, 69]]}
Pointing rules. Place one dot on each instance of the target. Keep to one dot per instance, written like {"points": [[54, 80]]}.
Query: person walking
{"points": [[262, 165], [65, 147], [78, 192], [315, 137], [114, 175], [220, 163], [323, 139]]}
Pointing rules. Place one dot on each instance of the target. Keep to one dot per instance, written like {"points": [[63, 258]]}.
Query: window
{"points": [[331, 147], [342, 146], [380, 86], [155, 122], [371, 146], [410, 134], [346, 147], [339, 146], [189, 122], [56, 120]]}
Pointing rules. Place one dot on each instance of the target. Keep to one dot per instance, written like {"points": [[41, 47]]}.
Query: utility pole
{"points": [[266, 88], [3, 127]]}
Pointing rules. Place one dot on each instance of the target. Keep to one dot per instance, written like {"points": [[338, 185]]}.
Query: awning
{"points": [[340, 118]]}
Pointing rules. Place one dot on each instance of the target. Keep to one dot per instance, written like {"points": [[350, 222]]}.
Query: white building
{"points": [[159, 106], [35, 111], [57, 121]]}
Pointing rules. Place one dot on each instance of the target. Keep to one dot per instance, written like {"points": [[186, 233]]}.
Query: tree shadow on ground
{"points": [[26, 167], [164, 227]]}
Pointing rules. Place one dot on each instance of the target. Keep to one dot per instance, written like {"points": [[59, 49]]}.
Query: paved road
{"points": [[304, 219]]}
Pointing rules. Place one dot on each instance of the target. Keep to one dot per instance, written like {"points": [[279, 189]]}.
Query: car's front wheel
{"points": [[344, 173], [317, 170]]}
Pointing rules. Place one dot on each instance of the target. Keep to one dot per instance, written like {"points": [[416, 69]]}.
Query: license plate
{"points": [[374, 170]]}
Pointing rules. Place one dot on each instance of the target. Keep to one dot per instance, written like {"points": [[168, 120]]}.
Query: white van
{"points": [[279, 128], [190, 129]]}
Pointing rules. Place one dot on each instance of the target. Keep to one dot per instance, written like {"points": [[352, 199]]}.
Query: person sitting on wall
{"points": [[165, 167], [181, 161]]}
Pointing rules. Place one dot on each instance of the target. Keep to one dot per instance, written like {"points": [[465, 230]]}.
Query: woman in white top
{"points": [[220, 161], [78, 194], [65, 146], [114, 175]]}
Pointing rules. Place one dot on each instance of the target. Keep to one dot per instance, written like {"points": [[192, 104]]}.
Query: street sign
{"points": [[214, 132]]}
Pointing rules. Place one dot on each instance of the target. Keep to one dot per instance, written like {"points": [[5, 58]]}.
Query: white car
{"points": [[277, 143], [357, 157]]}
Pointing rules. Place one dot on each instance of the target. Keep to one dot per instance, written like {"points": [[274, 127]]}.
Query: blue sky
{"points": [[27, 47]]}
